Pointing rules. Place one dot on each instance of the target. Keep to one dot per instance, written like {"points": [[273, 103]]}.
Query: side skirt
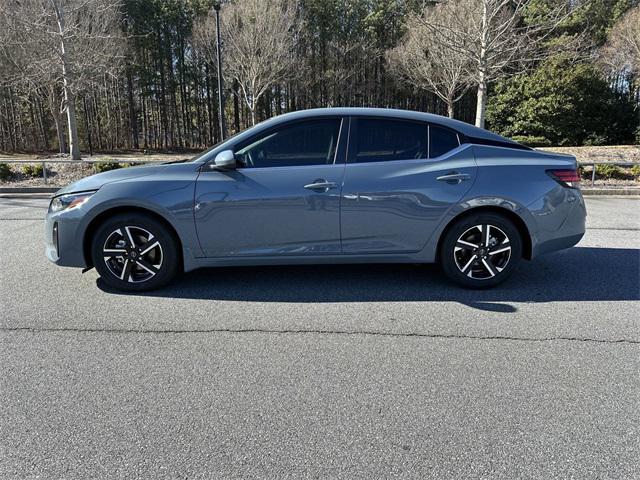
{"points": [[302, 260]]}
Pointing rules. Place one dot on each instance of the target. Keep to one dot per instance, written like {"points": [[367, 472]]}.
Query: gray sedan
{"points": [[340, 185]]}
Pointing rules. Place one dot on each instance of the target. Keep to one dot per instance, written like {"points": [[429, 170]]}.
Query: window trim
{"points": [[338, 153], [431, 124]]}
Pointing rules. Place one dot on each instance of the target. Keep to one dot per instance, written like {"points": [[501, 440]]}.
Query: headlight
{"points": [[69, 201]]}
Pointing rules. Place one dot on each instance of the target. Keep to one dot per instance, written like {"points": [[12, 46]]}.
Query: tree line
{"points": [[104, 75]]}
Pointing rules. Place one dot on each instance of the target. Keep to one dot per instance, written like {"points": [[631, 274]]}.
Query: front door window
{"points": [[303, 143]]}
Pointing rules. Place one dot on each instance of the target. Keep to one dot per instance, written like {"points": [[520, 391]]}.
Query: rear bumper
{"points": [[558, 243], [569, 218]]}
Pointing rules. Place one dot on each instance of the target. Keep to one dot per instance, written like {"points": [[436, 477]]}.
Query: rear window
{"points": [[441, 141], [381, 140]]}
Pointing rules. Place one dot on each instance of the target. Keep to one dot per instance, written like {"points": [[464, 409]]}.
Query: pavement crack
{"points": [[322, 332]]}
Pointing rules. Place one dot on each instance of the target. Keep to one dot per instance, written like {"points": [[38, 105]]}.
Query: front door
{"points": [[401, 179], [283, 199]]}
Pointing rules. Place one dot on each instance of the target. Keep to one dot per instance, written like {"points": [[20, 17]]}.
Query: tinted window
{"points": [[304, 143], [441, 140], [382, 140]]}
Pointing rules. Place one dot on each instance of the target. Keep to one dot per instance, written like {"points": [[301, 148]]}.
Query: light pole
{"points": [[216, 7]]}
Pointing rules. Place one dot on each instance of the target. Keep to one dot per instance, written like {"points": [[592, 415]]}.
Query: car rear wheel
{"points": [[481, 250], [134, 252]]}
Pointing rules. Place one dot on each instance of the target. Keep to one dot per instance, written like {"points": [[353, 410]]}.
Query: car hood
{"points": [[94, 182]]}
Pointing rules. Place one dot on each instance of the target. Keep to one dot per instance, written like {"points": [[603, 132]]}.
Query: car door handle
{"points": [[321, 184], [454, 177]]}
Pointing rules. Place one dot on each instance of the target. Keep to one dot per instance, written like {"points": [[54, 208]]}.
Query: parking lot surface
{"points": [[324, 372]]}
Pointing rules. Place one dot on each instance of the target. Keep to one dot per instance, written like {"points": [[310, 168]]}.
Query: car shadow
{"points": [[576, 274]]}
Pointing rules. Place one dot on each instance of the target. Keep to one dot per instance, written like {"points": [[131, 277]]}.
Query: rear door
{"points": [[401, 178]]}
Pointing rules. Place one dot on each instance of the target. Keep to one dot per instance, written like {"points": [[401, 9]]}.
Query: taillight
{"points": [[567, 178]]}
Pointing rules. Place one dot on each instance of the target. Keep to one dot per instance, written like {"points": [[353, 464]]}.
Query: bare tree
{"points": [[621, 53], [493, 37], [25, 66], [259, 44], [423, 60], [336, 75], [62, 45]]}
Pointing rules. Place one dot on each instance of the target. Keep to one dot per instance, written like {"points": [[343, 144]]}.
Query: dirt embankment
{"points": [[617, 153], [61, 174]]}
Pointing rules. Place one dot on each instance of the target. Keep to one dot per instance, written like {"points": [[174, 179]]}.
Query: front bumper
{"points": [[62, 239]]}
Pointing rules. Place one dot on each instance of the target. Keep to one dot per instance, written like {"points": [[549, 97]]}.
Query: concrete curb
{"points": [[611, 191], [29, 189]]}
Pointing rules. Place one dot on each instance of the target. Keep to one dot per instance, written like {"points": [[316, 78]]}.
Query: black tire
{"points": [[145, 266], [480, 267]]}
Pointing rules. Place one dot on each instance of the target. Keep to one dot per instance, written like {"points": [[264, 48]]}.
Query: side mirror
{"points": [[225, 160]]}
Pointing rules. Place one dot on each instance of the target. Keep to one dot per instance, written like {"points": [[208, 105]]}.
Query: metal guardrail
{"points": [[594, 163], [44, 162]]}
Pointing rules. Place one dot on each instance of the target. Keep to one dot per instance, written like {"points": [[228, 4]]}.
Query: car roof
{"points": [[473, 133]]}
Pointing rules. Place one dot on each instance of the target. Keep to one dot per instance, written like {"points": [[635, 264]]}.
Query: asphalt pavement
{"points": [[324, 372]]}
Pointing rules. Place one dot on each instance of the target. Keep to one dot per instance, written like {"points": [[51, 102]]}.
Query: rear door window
{"points": [[382, 140], [441, 140]]}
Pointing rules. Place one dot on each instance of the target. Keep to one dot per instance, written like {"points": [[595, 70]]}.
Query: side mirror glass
{"points": [[225, 160]]}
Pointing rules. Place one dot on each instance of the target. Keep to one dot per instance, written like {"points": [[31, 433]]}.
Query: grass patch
{"points": [[33, 170], [106, 166], [531, 141], [612, 172], [5, 171]]}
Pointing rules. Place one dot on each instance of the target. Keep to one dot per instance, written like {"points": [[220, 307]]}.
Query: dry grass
{"points": [[616, 153], [60, 175]]}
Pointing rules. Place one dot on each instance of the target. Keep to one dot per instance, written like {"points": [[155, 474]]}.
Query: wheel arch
{"points": [[95, 222], [519, 223]]}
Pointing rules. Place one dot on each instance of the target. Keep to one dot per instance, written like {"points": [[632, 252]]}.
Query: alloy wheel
{"points": [[132, 254], [482, 252]]}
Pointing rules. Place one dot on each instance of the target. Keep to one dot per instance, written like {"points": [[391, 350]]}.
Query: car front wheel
{"points": [[134, 252], [481, 250]]}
